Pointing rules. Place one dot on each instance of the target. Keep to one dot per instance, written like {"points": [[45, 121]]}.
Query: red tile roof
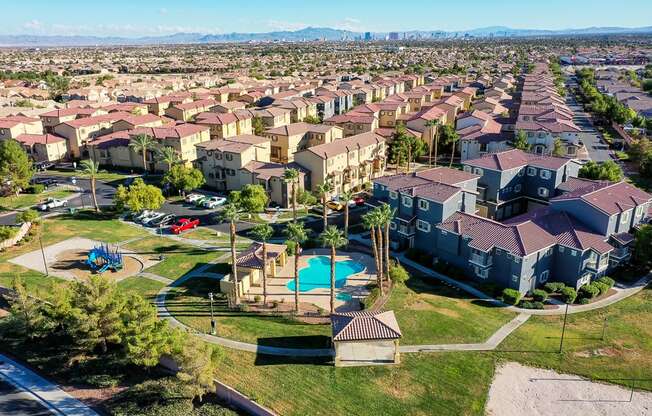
{"points": [[365, 326]]}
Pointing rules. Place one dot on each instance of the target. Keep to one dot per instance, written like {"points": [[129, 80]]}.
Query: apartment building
{"points": [[225, 125], [44, 147], [79, 132], [53, 118], [348, 163], [187, 111], [158, 105], [289, 139], [13, 126], [353, 123]]}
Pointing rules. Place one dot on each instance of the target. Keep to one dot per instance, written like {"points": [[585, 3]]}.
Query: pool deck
{"points": [[355, 284]]}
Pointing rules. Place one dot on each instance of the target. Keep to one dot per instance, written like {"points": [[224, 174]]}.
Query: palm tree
{"points": [[334, 238], [291, 176], [231, 214], [297, 234], [324, 189], [90, 169], [370, 219], [140, 143], [346, 196], [434, 138], [262, 233], [386, 214], [168, 155]]}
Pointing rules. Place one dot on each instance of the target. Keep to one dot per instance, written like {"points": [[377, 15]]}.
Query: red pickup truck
{"points": [[183, 224]]}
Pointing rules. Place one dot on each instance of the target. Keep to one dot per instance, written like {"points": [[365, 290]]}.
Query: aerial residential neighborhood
{"points": [[290, 208]]}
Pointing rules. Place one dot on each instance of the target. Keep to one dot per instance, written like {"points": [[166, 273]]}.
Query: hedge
{"points": [[398, 274], [603, 287], [607, 280], [7, 232], [554, 287], [530, 305], [568, 294], [511, 296], [37, 188], [29, 215], [539, 295], [589, 291]]}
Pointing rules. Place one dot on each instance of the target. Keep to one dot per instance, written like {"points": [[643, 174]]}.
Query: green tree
{"points": [[184, 178], [371, 221], [312, 120], [25, 309], [608, 171], [97, 306], [433, 128], [90, 168], [450, 136], [291, 176], [29, 215], [558, 149], [386, 215], [197, 363], [252, 198], [139, 196], [16, 169], [231, 214], [262, 233], [520, 141], [643, 246], [258, 125], [169, 156], [334, 238], [59, 309], [324, 189], [141, 143], [306, 198], [297, 234]]}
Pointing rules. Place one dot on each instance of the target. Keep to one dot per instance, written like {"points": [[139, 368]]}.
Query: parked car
{"points": [[200, 201], [335, 205], [183, 224], [162, 221], [155, 216], [191, 198], [47, 182], [43, 166], [359, 201], [138, 216], [52, 203], [213, 202]]}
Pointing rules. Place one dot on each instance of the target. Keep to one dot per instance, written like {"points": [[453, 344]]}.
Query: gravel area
{"points": [[519, 390]]}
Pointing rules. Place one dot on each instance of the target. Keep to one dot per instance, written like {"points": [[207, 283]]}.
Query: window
{"points": [[392, 225], [218, 156], [407, 201], [573, 253], [544, 276], [517, 187], [624, 217], [393, 195], [228, 156], [478, 171], [543, 192], [545, 174], [423, 226], [515, 278], [562, 249], [444, 232], [423, 205], [481, 273], [639, 209], [521, 172], [468, 169], [531, 171]]}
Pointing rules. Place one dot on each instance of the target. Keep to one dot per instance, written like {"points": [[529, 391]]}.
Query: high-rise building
{"points": [[393, 35], [367, 35]]}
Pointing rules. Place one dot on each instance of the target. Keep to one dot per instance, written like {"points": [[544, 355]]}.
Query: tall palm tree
{"points": [[346, 196], [370, 219], [231, 214], [453, 138], [291, 176], [297, 234], [323, 189], [168, 155], [434, 139], [141, 143], [386, 214], [90, 169], [333, 238], [262, 233]]}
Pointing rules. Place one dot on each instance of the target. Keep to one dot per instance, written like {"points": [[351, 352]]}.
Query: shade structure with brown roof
{"points": [[365, 338]]}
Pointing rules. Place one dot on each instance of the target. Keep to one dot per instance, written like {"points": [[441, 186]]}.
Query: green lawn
{"points": [[29, 200], [102, 175], [432, 384], [430, 312], [143, 286], [189, 303], [208, 234]]}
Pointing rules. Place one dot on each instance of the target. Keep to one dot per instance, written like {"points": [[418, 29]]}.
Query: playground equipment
{"points": [[102, 258]]}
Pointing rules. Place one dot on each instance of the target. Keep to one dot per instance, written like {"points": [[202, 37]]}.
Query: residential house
{"points": [[289, 139]]}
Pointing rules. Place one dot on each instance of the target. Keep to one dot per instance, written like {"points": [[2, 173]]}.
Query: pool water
{"points": [[318, 274]]}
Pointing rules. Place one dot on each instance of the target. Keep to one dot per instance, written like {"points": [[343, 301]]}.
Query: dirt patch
{"points": [[447, 312], [600, 352], [74, 262]]}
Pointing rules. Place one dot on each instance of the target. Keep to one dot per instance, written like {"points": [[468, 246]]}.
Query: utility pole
{"points": [[604, 328], [210, 297], [563, 330], [45, 263]]}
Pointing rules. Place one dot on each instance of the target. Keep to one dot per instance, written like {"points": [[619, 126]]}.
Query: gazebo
{"points": [[250, 266], [365, 338]]}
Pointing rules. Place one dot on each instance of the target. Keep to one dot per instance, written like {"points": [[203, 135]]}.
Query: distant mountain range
{"points": [[306, 34]]}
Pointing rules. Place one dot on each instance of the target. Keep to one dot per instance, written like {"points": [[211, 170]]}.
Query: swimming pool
{"points": [[318, 273]]}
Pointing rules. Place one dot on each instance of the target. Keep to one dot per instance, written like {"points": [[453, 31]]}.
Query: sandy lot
{"points": [[519, 390]]}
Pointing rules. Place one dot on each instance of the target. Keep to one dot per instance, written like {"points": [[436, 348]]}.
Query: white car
{"points": [[191, 198], [142, 218], [139, 216], [52, 203], [153, 217], [213, 202]]}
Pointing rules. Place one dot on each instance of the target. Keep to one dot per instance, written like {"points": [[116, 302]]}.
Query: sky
{"points": [[132, 18]]}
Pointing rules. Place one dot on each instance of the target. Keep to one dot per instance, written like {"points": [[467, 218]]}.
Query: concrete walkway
{"points": [[48, 394]]}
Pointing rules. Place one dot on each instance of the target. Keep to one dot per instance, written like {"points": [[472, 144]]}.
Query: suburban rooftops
{"points": [[611, 198], [515, 158]]}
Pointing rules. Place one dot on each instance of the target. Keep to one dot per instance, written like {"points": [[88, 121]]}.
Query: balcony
{"points": [[620, 254], [481, 260], [597, 266]]}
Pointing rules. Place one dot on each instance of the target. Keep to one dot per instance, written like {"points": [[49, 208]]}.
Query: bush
{"points": [[7, 232], [539, 295], [29, 215], [530, 305], [583, 301], [568, 294], [37, 188], [257, 298], [554, 287], [511, 296], [602, 287], [398, 274], [607, 280], [589, 291], [374, 293], [290, 247]]}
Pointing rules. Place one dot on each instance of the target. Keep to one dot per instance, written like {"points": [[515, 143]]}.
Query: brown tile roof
{"points": [[365, 325], [514, 158], [610, 198], [346, 144], [252, 257]]}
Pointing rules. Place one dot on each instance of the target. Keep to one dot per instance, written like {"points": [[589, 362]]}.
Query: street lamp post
{"points": [[45, 263], [210, 297]]}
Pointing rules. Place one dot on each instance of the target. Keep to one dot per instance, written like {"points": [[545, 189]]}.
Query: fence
{"points": [[24, 229]]}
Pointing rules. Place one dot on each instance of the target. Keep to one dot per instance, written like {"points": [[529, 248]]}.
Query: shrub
{"points": [[554, 287], [37, 188], [530, 305], [607, 280], [290, 247], [398, 274], [568, 294], [7, 232], [374, 293], [511, 296], [29, 215], [583, 301], [539, 295], [589, 291], [257, 298], [602, 287]]}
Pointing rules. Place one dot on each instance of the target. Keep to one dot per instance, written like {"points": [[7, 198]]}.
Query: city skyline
{"points": [[125, 19]]}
